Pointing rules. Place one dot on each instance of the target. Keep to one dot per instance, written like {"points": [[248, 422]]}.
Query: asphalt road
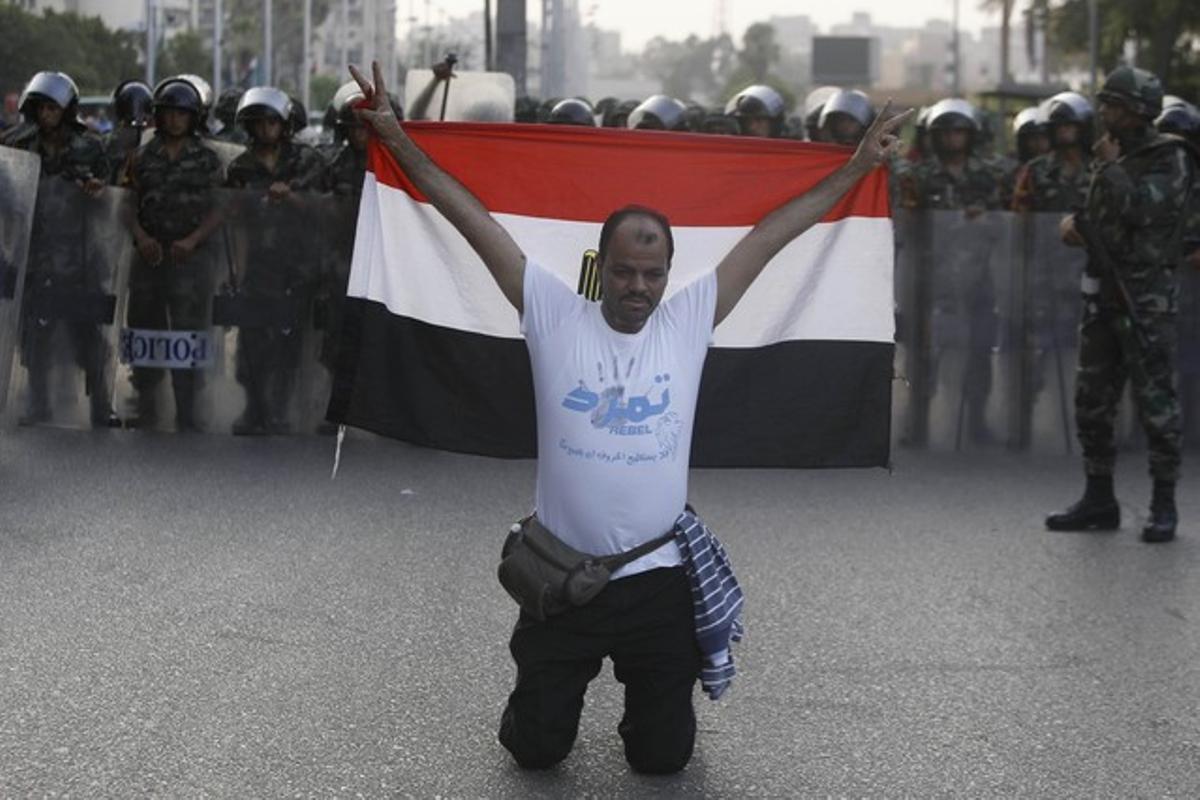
{"points": [[207, 616]]}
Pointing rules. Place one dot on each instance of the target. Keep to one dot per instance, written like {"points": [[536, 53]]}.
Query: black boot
{"points": [[1097, 510], [1163, 516]]}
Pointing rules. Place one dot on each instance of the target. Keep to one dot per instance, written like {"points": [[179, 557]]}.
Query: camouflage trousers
{"points": [[1109, 357]]}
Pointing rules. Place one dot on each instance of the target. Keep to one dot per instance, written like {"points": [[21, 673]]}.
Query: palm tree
{"points": [[1005, 7]]}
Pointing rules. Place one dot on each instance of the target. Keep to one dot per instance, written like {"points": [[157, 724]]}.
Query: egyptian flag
{"points": [[799, 374]]}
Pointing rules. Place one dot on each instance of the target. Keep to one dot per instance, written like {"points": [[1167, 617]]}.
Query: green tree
{"points": [[94, 56], [185, 52], [323, 87], [244, 36], [759, 52], [1162, 33]]}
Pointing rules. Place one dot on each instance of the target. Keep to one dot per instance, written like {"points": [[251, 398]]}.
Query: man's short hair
{"points": [[621, 214]]}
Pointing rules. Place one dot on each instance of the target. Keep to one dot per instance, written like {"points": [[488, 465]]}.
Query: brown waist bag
{"points": [[547, 577]]}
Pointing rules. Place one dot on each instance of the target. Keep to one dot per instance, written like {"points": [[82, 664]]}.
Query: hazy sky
{"points": [[641, 20]]}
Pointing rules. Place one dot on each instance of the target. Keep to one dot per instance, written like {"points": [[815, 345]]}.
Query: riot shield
{"points": [[469, 97], [79, 249], [959, 324], [18, 194], [166, 345], [270, 310], [1048, 278]]}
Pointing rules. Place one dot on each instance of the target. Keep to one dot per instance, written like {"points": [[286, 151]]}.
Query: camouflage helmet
{"points": [[132, 103], [659, 112], [56, 87], [265, 101], [1068, 107], [953, 113], [572, 111], [227, 104], [1136, 89]]}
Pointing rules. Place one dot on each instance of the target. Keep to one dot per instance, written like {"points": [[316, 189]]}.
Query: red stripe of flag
{"points": [[583, 174]]}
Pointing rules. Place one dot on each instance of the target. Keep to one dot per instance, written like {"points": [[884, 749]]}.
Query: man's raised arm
{"points": [[746, 260], [454, 201]]}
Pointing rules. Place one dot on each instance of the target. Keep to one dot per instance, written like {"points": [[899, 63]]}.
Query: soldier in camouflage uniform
{"points": [[58, 258], [132, 108], [276, 270], [1059, 179], [1136, 207], [174, 177], [953, 177]]}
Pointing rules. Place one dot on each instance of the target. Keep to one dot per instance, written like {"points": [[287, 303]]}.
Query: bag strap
{"points": [[614, 562]]}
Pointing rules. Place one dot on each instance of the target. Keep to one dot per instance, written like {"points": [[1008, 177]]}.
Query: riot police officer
{"points": [[618, 115], [572, 111], [225, 112], [955, 178], [276, 270], [759, 111], [658, 113], [1059, 179], [173, 177], [845, 117], [814, 102], [1030, 134], [59, 265], [1135, 212], [132, 110]]}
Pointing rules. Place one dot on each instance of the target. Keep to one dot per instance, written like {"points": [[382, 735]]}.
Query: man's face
{"points": [[953, 141], [358, 136], [633, 274], [49, 115], [756, 126], [1116, 117], [1039, 143], [1066, 135], [845, 129], [267, 130], [175, 122]]}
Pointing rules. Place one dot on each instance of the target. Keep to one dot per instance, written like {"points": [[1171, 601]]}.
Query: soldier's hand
{"points": [[1106, 149], [1066, 230], [880, 142], [182, 248], [377, 113], [278, 190], [150, 251], [973, 212]]}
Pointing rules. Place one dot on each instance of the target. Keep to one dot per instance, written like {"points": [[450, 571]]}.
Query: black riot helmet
{"points": [[1029, 132], [1181, 120], [659, 113], [758, 102], [1136, 89], [205, 90], [299, 115], [177, 94], [572, 111], [618, 115], [133, 104], [264, 102], [57, 87], [814, 102], [849, 103], [227, 105]]}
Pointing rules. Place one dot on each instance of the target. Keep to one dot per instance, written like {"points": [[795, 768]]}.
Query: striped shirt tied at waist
{"points": [[716, 598]]}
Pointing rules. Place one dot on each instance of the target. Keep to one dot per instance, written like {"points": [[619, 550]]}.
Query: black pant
{"points": [[645, 624]]}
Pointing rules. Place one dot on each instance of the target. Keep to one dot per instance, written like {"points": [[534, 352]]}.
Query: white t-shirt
{"points": [[614, 414]]}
